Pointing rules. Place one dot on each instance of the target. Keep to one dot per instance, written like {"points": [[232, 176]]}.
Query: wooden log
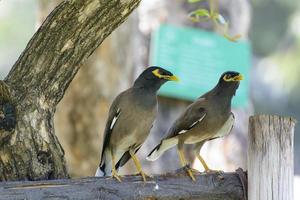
{"points": [[270, 158], [163, 187]]}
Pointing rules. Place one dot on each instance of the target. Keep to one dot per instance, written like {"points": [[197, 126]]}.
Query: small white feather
{"points": [[115, 119], [198, 121], [113, 122], [182, 131]]}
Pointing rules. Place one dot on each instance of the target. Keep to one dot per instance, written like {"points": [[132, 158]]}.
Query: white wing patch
{"points": [[193, 124], [115, 119], [196, 122], [182, 131]]}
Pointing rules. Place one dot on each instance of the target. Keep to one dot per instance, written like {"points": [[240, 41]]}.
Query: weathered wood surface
{"points": [[40, 77], [164, 187], [270, 158]]}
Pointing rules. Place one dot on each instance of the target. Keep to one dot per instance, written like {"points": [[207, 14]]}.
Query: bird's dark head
{"points": [[231, 77], [154, 77], [230, 81]]}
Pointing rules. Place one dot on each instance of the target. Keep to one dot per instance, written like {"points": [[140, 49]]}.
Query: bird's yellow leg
{"points": [[114, 172], [138, 165], [183, 163], [206, 168]]}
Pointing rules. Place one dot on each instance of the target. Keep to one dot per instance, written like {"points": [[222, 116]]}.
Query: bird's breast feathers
{"points": [[226, 128], [131, 125]]}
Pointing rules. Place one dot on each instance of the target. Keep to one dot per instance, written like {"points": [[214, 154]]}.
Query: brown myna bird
{"points": [[209, 117], [130, 119]]}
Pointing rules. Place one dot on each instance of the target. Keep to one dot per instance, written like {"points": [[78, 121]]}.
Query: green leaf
{"points": [[201, 13]]}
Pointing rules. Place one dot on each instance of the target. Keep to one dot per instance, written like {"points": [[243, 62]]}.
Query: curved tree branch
{"points": [[41, 75], [69, 35]]}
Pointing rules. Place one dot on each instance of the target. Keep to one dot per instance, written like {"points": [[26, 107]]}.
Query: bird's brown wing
{"points": [[193, 115], [113, 115]]}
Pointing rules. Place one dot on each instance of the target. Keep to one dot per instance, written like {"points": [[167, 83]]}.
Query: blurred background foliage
{"points": [[274, 34]]}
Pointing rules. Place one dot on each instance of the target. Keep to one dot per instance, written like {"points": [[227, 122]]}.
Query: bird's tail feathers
{"points": [[161, 148], [103, 169], [100, 172]]}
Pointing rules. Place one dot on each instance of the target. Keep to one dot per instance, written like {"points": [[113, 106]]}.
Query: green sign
{"points": [[199, 58]]}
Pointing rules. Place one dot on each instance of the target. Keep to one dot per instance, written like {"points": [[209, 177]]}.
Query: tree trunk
{"points": [[40, 77]]}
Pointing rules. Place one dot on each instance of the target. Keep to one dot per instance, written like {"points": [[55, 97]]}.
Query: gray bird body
{"points": [[130, 119], [207, 118], [137, 110]]}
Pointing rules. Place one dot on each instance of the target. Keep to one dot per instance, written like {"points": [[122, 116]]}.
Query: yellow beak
{"points": [[171, 78], [238, 77]]}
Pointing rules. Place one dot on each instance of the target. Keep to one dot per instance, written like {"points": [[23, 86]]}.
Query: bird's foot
{"points": [[115, 175], [144, 175], [195, 171], [218, 172], [190, 173], [212, 171], [190, 170]]}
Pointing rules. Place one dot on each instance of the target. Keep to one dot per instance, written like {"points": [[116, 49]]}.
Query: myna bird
{"points": [[130, 119], [209, 117]]}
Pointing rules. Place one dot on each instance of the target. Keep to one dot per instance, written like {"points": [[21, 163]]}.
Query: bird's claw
{"points": [[195, 171], [190, 172], [218, 172], [211, 171], [144, 175], [115, 175]]}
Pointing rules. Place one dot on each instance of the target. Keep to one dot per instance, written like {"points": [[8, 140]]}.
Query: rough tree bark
{"points": [[40, 77]]}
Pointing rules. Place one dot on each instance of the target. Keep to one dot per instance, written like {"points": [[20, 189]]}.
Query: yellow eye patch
{"points": [[156, 73], [167, 77], [227, 78], [234, 78]]}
